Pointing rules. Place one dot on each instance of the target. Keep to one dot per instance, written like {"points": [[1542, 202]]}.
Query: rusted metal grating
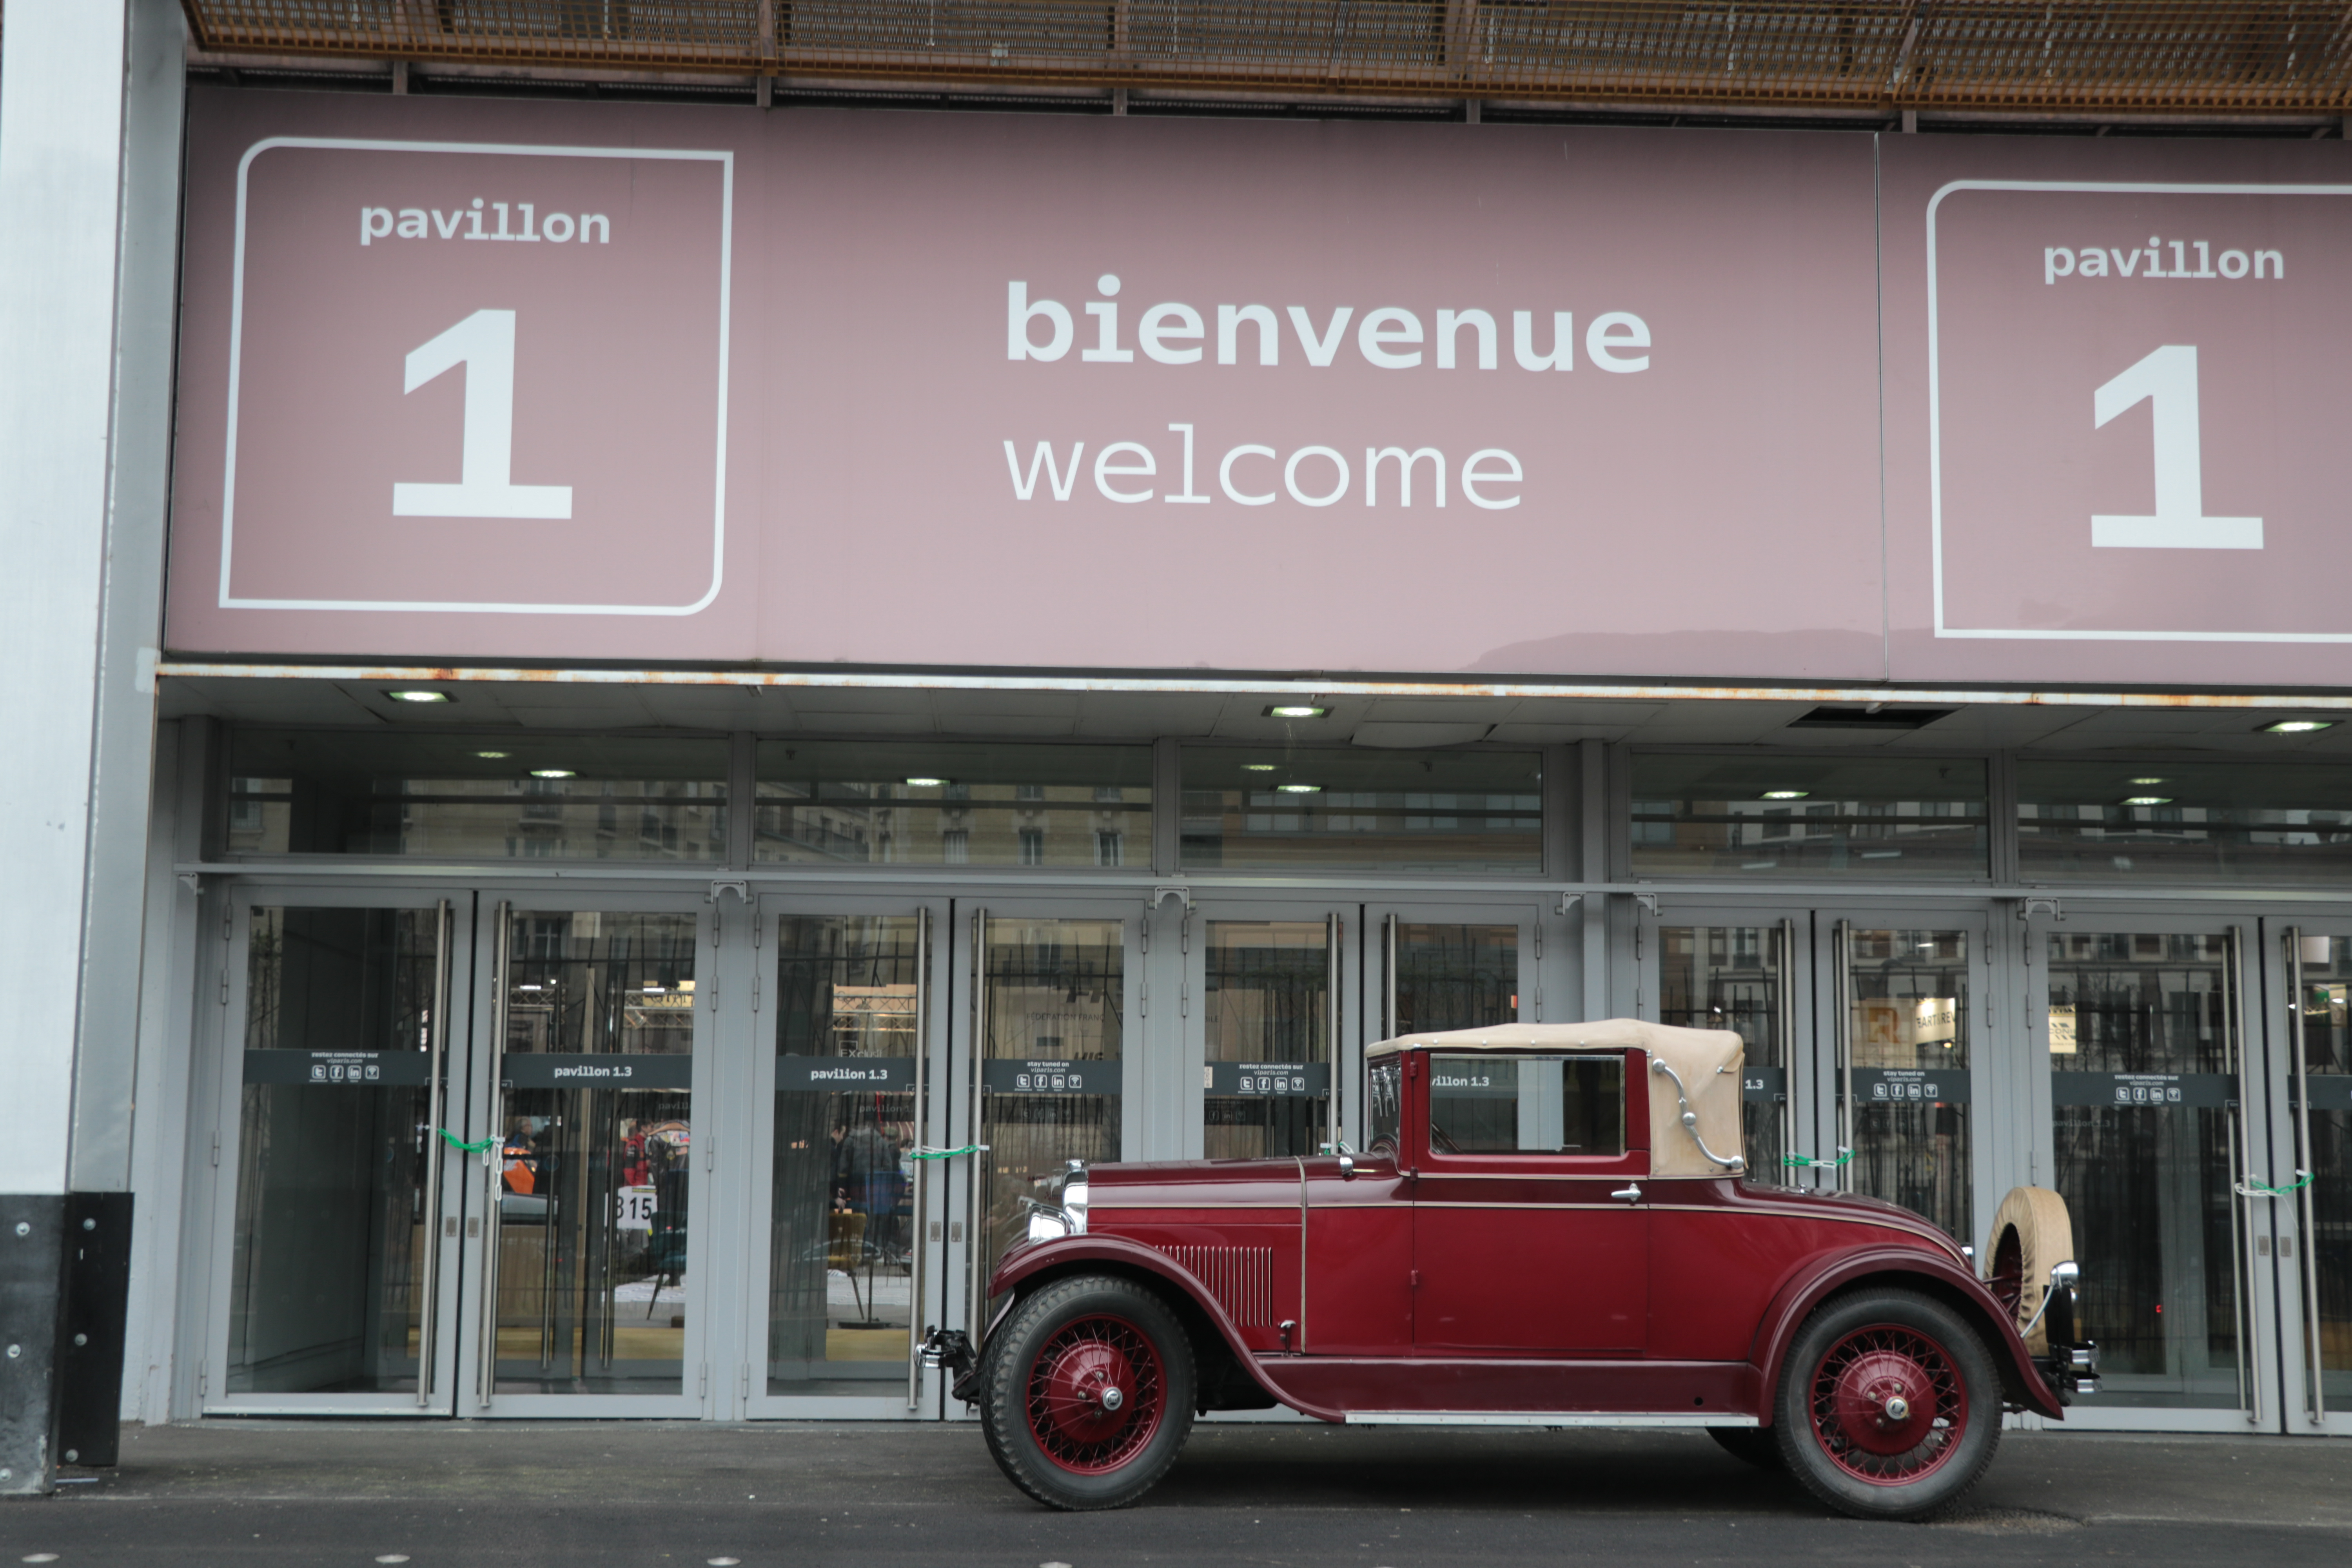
{"points": [[2196, 57]]}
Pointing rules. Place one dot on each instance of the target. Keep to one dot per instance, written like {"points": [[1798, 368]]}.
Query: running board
{"points": [[1541, 1419]]}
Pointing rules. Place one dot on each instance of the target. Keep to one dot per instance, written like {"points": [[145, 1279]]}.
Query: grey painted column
{"points": [[89, 135]]}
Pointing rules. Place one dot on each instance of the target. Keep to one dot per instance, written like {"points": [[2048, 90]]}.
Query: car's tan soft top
{"points": [[1707, 1060]]}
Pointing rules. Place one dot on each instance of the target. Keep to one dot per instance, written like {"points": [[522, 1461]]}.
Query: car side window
{"points": [[1384, 1104], [1526, 1105]]}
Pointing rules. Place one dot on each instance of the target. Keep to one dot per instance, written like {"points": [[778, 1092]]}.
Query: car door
{"points": [[1529, 1233]]}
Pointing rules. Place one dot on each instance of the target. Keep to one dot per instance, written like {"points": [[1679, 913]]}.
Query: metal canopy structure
{"points": [[2119, 58]]}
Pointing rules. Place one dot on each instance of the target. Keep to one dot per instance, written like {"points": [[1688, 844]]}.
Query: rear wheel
{"points": [[1085, 1393], [1889, 1406]]}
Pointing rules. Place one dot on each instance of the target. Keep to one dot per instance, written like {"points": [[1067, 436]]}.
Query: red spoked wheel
{"points": [[1086, 1391], [1096, 1394], [1888, 1404]]}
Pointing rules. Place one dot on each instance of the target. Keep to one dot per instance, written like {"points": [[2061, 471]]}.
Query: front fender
{"points": [[1777, 1330], [1067, 1255]]}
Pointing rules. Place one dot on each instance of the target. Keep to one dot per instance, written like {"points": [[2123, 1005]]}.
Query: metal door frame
{"points": [[713, 1269], [215, 1226], [2288, 1222], [2258, 1309], [916, 1396]]}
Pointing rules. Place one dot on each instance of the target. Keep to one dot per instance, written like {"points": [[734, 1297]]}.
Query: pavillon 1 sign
{"points": [[501, 380]]}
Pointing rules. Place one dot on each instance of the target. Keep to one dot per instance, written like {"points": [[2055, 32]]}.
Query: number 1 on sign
{"points": [[484, 342], [2167, 378]]}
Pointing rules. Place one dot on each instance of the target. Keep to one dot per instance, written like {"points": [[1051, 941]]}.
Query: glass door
{"points": [[2310, 1205], [1272, 1004], [1743, 972], [1905, 1031], [1046, 1059], [1442, 968], [588, 1298], [337, 1201], [845, 1025], [2143, 1030]]}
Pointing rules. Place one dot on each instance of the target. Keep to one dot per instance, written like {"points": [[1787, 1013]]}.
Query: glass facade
{"points": [[2184, 822], [483, 796], [844, 803], [1756, 815], [1333, 810]]}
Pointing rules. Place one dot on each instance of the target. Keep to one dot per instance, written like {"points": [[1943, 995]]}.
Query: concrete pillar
{"points": [[89, 153]]}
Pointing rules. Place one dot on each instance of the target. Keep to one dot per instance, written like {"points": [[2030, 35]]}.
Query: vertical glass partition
{"points": [[2322, 1068], [329, 1271], [591, 1287], [1442, 976], [1052, 1007], [1737, 977], [841, 1242], [1904, 1054], [1266, 1012], [2143, 1078]]}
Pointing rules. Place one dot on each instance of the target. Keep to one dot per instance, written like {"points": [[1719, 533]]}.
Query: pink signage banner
{"points": [[497, 381], [2113, 409]]}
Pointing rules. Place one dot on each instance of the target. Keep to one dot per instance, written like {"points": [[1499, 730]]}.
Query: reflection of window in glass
{"points": [[1513, 1105], [1911, 816], [2269, 821], [857, 802], [1440, 810], [476, 795], [1109, 851]]}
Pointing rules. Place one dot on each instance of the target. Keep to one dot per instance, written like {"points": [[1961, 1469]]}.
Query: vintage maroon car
{"points": [[1549, 1229]]}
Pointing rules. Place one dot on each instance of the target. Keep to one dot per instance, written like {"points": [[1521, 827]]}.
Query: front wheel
{"points": [[1085, 1393], [1889, 1406]]}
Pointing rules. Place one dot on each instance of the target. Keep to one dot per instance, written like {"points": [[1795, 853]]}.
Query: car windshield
{"points": [[1526, 1105]]}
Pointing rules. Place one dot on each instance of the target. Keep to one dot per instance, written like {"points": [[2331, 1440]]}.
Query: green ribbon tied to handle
{"points": [[950, 1153], [1807, 1162], [2254, 1189], [463, 1147]]}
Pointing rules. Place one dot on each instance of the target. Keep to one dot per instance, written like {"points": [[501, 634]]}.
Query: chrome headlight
{"points": [[1074, 1200], [1051, 1222]]}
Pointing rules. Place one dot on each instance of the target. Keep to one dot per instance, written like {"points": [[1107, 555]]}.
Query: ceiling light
{"points": [[925, 783], [1786, 793], [419, 696], [490, 756], [1300, 789], [551, 773], [2148, 781], [1257, 767], [2147, 800], [651, 986], [1294, 710], [2299, 726]]}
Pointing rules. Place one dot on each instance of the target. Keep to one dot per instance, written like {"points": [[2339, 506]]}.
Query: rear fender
{"points": [[2020, 1380], [1033, 1266]]}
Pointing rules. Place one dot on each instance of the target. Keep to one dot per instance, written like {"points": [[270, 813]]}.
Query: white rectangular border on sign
{"points": [[725, 160], [1935, 413]]}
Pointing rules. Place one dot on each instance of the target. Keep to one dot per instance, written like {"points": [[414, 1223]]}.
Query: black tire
{"points": [[1889, 1406], [1757, 1446], [1045, 1402]]}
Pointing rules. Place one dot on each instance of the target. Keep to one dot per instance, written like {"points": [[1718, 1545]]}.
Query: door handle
{"points": [[1632, 1194]]}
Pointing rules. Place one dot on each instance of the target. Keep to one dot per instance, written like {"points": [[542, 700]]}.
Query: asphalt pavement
{"points": [[812, 1495]]}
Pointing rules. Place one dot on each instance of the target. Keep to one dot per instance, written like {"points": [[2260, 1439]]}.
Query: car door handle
{"points": [[1632, 1194]]}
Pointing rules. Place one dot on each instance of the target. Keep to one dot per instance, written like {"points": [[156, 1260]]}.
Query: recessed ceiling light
{"points": [[489, 756], [1257, 767], [420, 696], [651, 986], [1786, 793], [2147, 800], [551, 773], [925, 783], [1294, 710], [2299, 726], [2147, 781], [1300, 789]]}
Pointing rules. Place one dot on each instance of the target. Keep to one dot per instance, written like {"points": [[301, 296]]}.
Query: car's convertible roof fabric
{"points": [[1708, 1061]]}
